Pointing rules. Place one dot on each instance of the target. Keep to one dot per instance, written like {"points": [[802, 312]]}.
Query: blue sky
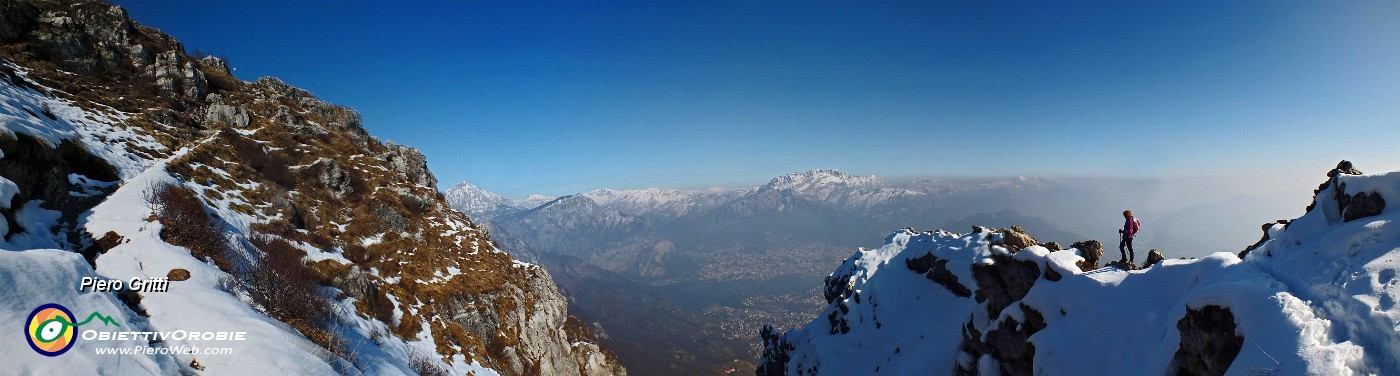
{"points": [[563, 97]]}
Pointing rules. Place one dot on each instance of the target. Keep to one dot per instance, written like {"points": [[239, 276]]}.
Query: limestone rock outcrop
{"points": [[267, 160]]}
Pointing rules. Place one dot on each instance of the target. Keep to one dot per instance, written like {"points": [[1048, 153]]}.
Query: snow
{"points": [[34, 271], [836, 187], [470, 198], [906, 312], [668, 203], [371, 240], [38, 224], [481, 204], [1318, 298], [533, 201], [818, 180], [649, 196], [8, 189], [197, 304], [102, 132], [41, 276], [314, 254], [89, 187]]}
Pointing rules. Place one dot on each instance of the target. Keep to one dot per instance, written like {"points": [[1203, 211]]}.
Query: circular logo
{"points": [[50, 329]]}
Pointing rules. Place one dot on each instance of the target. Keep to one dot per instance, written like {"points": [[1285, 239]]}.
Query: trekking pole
{"points": [[1123, 257]]}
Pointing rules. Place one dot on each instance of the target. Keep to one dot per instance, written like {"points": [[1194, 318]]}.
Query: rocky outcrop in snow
{"points": [[1091, 251], [1208, 342], [1153, 257], [1316, 296]]}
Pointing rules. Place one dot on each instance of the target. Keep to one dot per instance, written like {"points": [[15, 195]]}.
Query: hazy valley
{"points": [[719, 264]]}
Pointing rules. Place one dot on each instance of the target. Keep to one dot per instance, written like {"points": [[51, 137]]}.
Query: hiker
{"points": [[1125, 235]]}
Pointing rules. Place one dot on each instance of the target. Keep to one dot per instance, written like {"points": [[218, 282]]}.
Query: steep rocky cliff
{"points": [[106, 122], [1315, 296]]}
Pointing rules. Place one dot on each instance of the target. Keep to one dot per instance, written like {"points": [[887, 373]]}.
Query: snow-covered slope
{"points": [[1317, 296], [820, 182], [24, 274], [40, 276], [99, 115]]}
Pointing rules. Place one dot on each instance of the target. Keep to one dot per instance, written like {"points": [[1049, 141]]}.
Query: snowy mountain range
{"points": [[1315, 296], [659, 203], [823, 188], [821, 206]]}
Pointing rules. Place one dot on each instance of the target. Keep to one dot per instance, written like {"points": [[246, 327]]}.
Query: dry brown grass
{"points": [[185, 223], [305, 212], [427, 249], [379, 305], [271, 165], [219, 80]]}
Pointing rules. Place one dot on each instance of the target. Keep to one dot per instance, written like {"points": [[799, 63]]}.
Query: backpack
{"points": [[1137, 225]]}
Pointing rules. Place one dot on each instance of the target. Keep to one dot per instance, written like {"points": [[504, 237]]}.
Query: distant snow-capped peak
{"points": [[483, 204], [533, 201], [820, 180], [467, 197]]}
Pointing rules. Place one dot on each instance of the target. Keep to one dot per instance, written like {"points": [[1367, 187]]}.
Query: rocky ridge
{"points": [[124, 108], [998, 302]]}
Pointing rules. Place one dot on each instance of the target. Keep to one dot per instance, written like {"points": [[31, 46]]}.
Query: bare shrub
{"points": [[377, 335], [336, 344], [425, 365], [286, 288], [186, 223]]}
